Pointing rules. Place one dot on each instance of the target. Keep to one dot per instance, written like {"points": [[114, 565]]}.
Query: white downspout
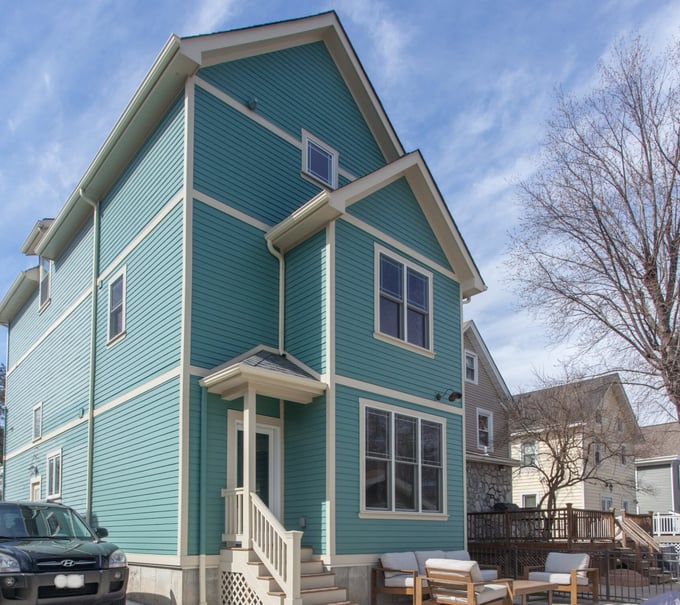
{"points": [[282, 292], [93, 352]]}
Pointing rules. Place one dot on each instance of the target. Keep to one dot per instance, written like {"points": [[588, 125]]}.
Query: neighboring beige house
{"points": [[658, 469], [487, 444], [602, 432]]}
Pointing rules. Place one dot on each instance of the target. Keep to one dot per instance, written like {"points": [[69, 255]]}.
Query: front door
{"points": [[267, 464]]}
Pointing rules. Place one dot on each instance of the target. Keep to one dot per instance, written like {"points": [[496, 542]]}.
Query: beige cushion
{"points": [[423, 555], [402, 581], [399, 560], [470, 567], [489, 574], [563, 562], [484, 594], [556, 578]]}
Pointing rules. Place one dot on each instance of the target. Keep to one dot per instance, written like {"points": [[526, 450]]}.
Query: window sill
{"points": [[116, 339], [404, 345], [404, 516], [44, 305]]}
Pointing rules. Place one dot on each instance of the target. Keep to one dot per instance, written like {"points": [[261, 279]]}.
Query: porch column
{"points": [[249, 436]]}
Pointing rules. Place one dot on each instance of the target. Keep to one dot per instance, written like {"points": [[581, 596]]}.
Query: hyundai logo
{"points": [[68, 563]]}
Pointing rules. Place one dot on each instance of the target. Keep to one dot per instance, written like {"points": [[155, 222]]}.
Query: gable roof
{"points": [[662, 443], [331, 204], [181, 58], [472, 332]]}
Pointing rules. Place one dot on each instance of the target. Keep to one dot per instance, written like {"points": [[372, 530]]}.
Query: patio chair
{"points": [[452, 581], [571, 573]]}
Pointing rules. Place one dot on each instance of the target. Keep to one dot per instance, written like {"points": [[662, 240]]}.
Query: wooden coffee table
{"points": [[523, 588]]}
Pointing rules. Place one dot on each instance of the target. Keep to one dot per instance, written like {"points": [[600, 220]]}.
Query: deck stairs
{"points": [[317, 586]]}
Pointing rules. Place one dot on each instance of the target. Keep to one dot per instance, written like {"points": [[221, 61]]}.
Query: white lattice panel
{"points": [[234, 590]]}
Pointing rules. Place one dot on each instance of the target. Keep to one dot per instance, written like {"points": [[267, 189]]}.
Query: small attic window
{"points": [[319, 160]]}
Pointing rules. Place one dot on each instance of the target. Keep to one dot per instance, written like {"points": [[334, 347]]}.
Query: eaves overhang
{"points": [[158, 90], [490, 459], [18, 294], [657, 460], [36, 235], [331, 204]]}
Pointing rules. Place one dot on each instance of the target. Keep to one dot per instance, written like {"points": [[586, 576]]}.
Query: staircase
{"points": [[317, 586]]}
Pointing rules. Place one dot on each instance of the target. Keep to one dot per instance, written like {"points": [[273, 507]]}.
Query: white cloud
{"points": [[210, 16]]}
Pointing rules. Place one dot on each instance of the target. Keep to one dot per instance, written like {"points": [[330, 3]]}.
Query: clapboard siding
{"points": [[395, 211], [72, 444], [306, 302], [57, 374], [355, 535], [245, 166], [360, 355], [305, 470], [215, 471], [234, 288], [146, 185], [299, 88], [153, 298], [71, 277], [136, 463]]}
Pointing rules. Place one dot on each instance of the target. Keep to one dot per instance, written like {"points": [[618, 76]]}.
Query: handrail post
{"points": [[293, 576], [570, 525]]}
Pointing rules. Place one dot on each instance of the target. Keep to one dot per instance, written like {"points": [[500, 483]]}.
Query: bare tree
{"points": [[597, 250], [575, 432]]}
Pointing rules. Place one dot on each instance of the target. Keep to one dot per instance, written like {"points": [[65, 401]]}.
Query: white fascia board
{"points": [[35, 236], [657, 460], [160, 87], [17, 295]]}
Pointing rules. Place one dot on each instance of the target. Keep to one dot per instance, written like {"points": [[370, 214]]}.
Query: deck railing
{"points": [[557, 525], [666, 524], [278, 549]]}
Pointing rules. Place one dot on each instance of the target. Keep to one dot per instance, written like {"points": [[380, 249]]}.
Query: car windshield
{"points": [[36, 521]]}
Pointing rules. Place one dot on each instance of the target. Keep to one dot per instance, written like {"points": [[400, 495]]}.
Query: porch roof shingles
{"points": [[267, 373]]}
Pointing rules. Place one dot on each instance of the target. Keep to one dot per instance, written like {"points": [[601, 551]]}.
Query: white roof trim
{"points": [[18, 294], [470, 327]]}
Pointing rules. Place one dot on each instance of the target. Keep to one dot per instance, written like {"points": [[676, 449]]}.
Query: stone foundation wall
{"points": [[486, 485]]}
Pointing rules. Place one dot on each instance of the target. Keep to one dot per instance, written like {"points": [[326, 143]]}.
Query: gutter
{"points": [[93, 354]]}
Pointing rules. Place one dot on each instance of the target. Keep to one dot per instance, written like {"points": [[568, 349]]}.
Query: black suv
{"points": [[49, 556]]}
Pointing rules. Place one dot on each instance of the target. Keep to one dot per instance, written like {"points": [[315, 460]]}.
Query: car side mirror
{"points": [[101, 532]]}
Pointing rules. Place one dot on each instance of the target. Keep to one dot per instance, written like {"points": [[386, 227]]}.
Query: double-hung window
{"points": [[116, 308], [54, 475], [470, 367], [37, 421], [484, 430], [404, 309], [529, 453], [403, 462], [45, 280]]}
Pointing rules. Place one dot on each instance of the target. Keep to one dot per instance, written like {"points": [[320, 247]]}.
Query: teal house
{"points": [[238, 344]]}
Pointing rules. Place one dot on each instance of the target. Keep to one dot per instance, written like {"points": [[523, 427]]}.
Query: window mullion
{"points": [[393, 462], [419, 464]]}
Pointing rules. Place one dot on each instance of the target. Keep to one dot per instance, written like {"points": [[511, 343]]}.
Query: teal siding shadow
{"points": [[306, 302]]}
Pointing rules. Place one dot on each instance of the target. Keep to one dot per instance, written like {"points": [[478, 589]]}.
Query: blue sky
{"points": [[468, 82]]}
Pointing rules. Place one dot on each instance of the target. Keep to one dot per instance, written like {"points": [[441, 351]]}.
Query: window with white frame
{"points": [[34, 490], [597, 452], [529, 453], [45, 280], [625, 504], [404, 295], [529, 501], [484, 430], [606, 503], [403, 462], [54, 475], [37, 421], [470, 367], [319, 160], [116, 307]]}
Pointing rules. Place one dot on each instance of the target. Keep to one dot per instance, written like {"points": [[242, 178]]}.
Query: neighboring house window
{"points": [[606, 503], [619, 424], [319, 160], [116, 306], [37, 421], [484, 430], [623, 455], [45, 280], [626, 505], [529, 453], [529, 500], [598, 452], [54, 475], [470, 367], [404, 295], [403, 462], [34, 494], [598, 417]]}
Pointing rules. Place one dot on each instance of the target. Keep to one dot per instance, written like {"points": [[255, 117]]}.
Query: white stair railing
{"points": [[666, 524], [278, 549]]}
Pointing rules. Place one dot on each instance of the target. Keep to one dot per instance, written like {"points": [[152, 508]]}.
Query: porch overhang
{"points": [[266, 373]]}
